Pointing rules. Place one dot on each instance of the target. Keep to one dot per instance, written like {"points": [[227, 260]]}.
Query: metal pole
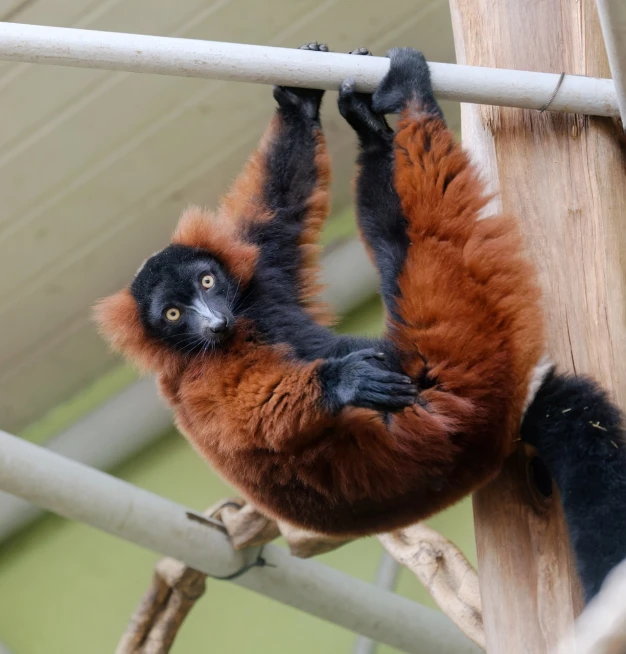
{"points": [[612, 15], [80, 493], [270, 65], [386, 577]]}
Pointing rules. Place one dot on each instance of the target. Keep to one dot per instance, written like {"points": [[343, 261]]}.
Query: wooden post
{"points": [[564, 177]]}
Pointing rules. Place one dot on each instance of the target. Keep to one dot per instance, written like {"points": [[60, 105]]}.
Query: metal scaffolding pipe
{"points": [[612, 15], [78, 492], [270, 65]]}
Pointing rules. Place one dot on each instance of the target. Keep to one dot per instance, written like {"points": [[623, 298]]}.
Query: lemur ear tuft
{"points": [[118, 320], [219, 236]]}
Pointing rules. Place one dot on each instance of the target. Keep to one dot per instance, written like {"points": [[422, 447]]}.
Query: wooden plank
{"points": [[114, 110], [564, 177]]}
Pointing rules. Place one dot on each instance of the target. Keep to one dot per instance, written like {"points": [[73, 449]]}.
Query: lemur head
{"points": [[182, 300], [185, 298]]}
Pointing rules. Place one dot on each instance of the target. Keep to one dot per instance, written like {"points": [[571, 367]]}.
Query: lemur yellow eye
{"points": [[172, 314], [208, 281]]}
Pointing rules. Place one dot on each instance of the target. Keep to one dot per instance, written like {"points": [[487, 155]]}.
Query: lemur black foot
{"points": [[356, 107], [305, 101], [408, 80], [361, 51]]}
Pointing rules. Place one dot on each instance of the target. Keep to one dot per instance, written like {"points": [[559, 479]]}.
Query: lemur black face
{"points": [[185, 298]]}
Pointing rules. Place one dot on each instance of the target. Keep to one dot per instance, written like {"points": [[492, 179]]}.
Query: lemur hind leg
{"points": [[441, 193], [291, 171], [463, 290], [379, 212], [417, 199], [376, 139], [356, 108]]}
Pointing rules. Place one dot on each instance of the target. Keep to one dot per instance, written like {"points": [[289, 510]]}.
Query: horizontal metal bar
{"points": [[269, 65], [612, 15], [78, 492]]}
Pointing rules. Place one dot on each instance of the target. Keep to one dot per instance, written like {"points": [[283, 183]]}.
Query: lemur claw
{"points": [[408, 80], [361, 51], [315, 47], [348, 86], [356, 107], [307, 101]]}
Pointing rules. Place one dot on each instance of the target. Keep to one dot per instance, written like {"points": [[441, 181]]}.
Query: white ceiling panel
{"points": [[96, 166]]}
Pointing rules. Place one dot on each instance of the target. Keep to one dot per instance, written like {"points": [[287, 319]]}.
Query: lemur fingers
{"points": [[353, 381], [356, 107]]}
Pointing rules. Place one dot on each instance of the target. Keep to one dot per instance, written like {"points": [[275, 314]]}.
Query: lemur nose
{"points": [[219, 325]]}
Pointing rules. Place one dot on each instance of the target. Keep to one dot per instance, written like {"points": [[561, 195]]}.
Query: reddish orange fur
{"points": [[118, 320], [469, 306], [244, 200], [223, 238], [475, 303]]}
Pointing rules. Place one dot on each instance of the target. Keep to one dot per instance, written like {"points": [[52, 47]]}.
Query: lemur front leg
{"points": [[293, 174], [281, 198], [379, 213], [301, 100]]}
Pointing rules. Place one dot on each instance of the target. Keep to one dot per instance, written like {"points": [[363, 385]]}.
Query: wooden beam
{"points": [[563, 176]]}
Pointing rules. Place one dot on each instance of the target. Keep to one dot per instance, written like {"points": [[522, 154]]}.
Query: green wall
{"points": [[66, 588]]}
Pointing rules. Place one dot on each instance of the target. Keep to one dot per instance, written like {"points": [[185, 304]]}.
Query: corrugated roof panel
{"points": [[95, 166]]}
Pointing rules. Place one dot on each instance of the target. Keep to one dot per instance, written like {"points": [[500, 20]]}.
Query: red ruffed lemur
{"points": [[352, 436]]}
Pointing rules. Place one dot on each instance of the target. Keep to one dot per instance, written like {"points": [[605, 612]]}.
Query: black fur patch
{"points": [[379, 212], [172, 279], [579, 435]]}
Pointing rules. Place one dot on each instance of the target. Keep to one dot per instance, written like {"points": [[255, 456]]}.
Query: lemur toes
{"points": [[306, 102], [361, 51], [348, 96], [315, 47], [350, 102], [408, 81]]}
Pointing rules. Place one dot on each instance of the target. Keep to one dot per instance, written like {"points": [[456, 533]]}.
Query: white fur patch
{"points": [[539, 374]]}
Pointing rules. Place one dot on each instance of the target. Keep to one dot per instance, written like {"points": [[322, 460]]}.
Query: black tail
{"points": [[579, 435]]}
